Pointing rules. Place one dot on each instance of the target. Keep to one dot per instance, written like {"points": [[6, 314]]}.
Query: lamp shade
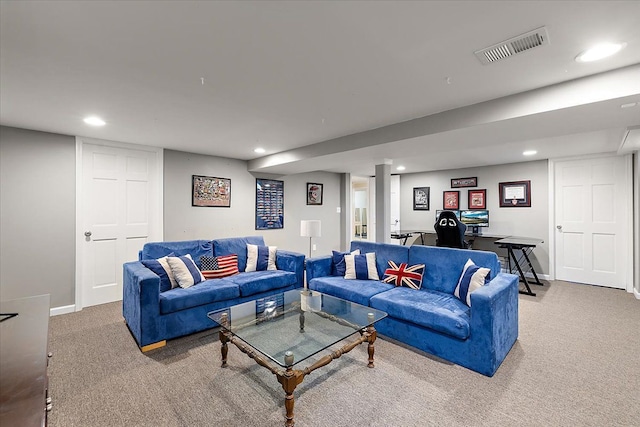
{"points": [[310, 228]]}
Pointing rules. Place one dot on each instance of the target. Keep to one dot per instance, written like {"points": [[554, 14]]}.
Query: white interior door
{"points": [[120, 193], [395, 202], [592, 209]]}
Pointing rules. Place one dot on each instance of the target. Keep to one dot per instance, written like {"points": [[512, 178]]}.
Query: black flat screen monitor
{"points": [[441, 210], [475, 218]]}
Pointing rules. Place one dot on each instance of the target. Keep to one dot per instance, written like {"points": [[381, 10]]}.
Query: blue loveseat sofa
{"points": [[154, 316], [432, 319]]}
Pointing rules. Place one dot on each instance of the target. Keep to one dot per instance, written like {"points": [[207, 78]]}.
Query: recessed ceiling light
{"points": [[529, 152], [600, 51], [629, 105], [259, 150], [400, 168], [94, 121]]}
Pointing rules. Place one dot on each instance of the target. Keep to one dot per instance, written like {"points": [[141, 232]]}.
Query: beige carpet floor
{"points": [[576, 363]]}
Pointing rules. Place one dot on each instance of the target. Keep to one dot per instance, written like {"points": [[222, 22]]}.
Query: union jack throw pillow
{"points": [[404, 275], [220, 266]]}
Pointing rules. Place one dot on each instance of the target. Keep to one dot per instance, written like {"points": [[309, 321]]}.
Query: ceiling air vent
{"points": [[513, 46]]}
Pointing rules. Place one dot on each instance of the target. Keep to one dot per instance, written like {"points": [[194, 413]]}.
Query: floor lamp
{"points": [[309, 228]]}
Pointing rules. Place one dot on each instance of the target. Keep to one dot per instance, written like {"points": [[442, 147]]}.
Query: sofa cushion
{"points": [[162, 268], [195, 248], [384, 253], [443, 265], [361, 267], [338, 267], [404, 275], [254, 282], [185, 271], [261, 258], [236, 245], [206, 292], [471, 279], [358, 291], [219, 266], [431, 309]]}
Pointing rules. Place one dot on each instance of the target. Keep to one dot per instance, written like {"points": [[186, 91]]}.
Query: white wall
{"points": [[183, 221], [515, 221], [37, 215]]}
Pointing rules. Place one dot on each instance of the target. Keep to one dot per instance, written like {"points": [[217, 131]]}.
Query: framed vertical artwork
{"points": [[515, 194], [477, 199], [314, 193], [451, 200], [210, 191], [269, 204], [421, 198]]}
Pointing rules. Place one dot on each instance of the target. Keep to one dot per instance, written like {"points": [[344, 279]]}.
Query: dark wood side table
{"points": [[24, 334]]}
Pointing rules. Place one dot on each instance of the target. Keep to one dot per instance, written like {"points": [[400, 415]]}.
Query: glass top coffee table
{"points": [[281, 331]]}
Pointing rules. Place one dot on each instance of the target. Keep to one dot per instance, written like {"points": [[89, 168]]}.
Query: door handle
{"points": [[559, 227], [87, 234]]}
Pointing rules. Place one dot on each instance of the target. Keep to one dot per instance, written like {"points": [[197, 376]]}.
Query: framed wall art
{"points": [[464, 182], [421, 198], [210, 191], [515, 194], [269, 204], [314, 193], [451, 200], [477, 199]]}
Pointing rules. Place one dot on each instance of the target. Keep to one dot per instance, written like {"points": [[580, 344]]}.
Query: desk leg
{"points": [[422, 238], [524, 252], [522, 277]]}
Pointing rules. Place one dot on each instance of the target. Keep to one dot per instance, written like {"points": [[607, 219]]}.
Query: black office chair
{"points": [[450, 231]]}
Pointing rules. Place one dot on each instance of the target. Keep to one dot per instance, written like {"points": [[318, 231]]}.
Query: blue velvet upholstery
{"points": [[203, 293], [236, 245], [184, 311], [443, 266], [255, 282], [434, 310], [384, 252], [195, 248], [431, 318], [356, 290]]}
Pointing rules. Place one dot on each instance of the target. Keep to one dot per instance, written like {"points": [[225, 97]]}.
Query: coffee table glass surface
{"points": [[295, 324]]}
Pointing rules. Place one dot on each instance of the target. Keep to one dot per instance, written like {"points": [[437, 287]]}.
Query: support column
{"points": [[345, 215], [383, 200]]}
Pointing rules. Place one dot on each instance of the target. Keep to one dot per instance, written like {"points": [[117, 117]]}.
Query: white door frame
{"points": [[156, 212], [628, 205]]}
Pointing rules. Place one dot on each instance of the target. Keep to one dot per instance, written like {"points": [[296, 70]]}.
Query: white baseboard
{"points": [[636, 293], [56, 311]]}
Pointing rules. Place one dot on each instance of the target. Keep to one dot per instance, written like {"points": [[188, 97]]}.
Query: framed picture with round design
{"points": [[314, 193], [451, 200]]}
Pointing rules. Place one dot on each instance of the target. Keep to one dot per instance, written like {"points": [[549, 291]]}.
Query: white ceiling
{"points": [[338, 86]]}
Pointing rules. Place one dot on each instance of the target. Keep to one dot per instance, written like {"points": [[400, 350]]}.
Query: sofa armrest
{"points": [[319, 267], [494, 315], [141, 302], [291, 261]]}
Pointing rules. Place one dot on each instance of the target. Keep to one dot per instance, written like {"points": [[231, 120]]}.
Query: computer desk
{"points": [[526, 246]]}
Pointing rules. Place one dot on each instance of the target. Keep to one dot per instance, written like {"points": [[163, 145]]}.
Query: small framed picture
{"points": [[314, 193], [477, 199], [515, 194], [421, 198], [451, 200], [464, 182], [210, 191]]}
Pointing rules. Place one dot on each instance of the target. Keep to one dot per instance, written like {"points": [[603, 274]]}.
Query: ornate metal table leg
{"points": [[302, 321]]}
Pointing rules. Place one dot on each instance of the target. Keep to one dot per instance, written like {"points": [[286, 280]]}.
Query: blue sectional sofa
{"points": [[432, 319], [154, 316]]}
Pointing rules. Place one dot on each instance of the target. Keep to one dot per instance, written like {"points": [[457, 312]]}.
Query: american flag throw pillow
{"points": [[404, 275], [220, 266]]}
